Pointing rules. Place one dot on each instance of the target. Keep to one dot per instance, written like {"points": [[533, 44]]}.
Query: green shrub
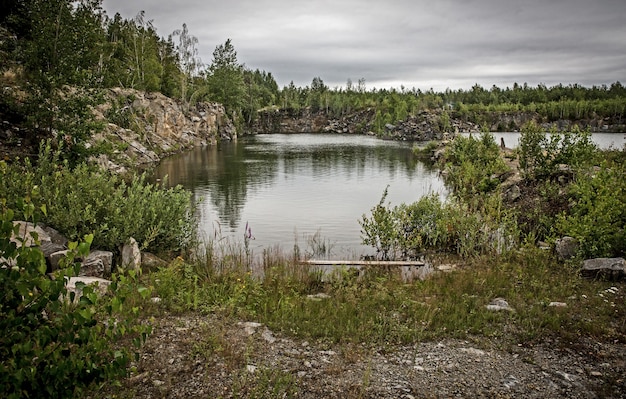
{"points": [[425, 152], [55, 343], [83, 200], [381, 230], [540, 155], [410, 230], [472, 165], [597, 215]]}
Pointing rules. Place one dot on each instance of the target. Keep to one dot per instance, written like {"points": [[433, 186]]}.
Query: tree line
{"points": [[58, 55]]}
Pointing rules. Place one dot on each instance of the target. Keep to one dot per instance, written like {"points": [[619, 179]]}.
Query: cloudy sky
{"points": [[423, 44]]}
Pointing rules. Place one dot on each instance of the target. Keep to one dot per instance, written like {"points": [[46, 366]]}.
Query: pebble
{"points": [[473, 351], [268, 336], [499, 304], [510, 381]]}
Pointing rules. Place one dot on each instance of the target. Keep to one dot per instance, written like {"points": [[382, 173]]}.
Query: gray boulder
{"points": [[150, 262], [131, 255], [26, 232], [611, 268], [74, 285], [499, 304], [566, 248], [91, 267], [97, 264], [54, 259], [55, 237]]}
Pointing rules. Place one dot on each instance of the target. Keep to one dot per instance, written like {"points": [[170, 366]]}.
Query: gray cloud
{"points": [[421, 44]]}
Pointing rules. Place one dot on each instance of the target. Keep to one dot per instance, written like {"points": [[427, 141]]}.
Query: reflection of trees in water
{"points": [[229, 172], [226, 172], [238, 171], [356, 160]]}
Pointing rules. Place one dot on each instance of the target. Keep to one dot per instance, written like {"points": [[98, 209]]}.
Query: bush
{"points": [[597, 215], [408, 231], [83, 200], [472, 164], [55, 343], [540, 155]]}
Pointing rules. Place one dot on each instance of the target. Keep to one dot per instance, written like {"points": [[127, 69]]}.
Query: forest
{"points": [[57, 56]]}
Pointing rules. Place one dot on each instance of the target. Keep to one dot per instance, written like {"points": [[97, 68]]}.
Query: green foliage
{"points": [[121, 112], [381, 231], [425, 152], [261, 91], [83, 201], [58, 68], [473, 165], [373, 307], [56, 342], [573, 196], [597, 215], [226, 80], [541, 155], [409, 231]]}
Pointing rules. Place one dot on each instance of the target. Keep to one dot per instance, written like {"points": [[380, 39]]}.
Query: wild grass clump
{"points": [[473, 165], [579, 191], [425, 151], [541, 153], [597, 211], [568, 188]]}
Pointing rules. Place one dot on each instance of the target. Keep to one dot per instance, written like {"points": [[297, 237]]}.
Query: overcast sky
{"points": [[423, 44]]}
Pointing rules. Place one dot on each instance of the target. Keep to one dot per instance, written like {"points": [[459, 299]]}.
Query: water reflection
{"points": [[290, 187]]}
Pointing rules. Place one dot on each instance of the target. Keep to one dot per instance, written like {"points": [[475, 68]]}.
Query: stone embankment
{"points": [[142, 128], [424, 126]]}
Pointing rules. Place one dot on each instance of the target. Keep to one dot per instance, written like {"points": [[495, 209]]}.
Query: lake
{"points": [[308, 190]]}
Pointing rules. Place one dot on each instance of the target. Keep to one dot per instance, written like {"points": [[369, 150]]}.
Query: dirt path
{"points": [[205, 357]]}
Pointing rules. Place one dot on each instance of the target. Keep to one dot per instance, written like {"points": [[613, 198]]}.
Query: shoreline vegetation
{"points": [[494, 245], [508, 209]]}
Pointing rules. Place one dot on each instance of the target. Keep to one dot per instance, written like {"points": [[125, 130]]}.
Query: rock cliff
{"points": [[142, 128], [424, 126]]}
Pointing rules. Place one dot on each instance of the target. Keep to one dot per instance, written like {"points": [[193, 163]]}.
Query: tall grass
{"points": [[377, 308]]}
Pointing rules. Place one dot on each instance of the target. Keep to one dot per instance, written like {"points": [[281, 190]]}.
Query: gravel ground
{"points": [[195, 356]]}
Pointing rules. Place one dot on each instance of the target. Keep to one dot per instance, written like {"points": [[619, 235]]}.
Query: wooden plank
{"points": [[314, 262]]}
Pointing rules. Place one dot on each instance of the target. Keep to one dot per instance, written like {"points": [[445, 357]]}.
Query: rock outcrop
{"points": [[609, 268], [142, 128], [424, 126]]}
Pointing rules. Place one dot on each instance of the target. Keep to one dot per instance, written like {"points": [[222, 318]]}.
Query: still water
{"points": [[298, 189]]}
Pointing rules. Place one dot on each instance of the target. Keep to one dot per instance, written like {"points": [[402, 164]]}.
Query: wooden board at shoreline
{"points": [[314, 262]]}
